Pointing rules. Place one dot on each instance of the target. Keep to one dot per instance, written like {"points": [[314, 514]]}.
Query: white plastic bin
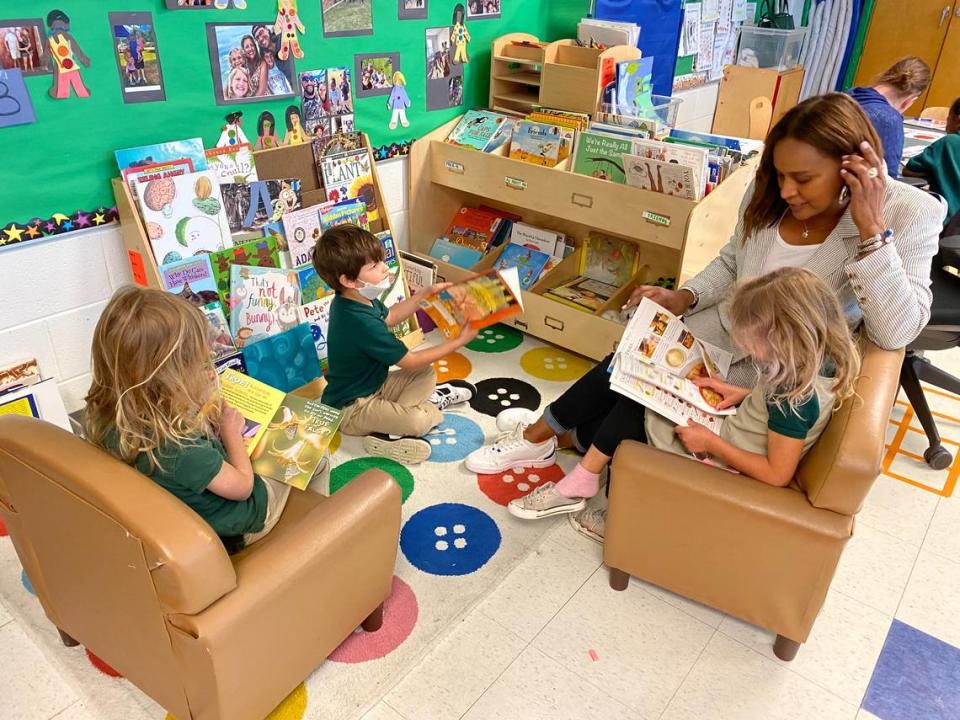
{"points": [[663, 109], [770, 48]]}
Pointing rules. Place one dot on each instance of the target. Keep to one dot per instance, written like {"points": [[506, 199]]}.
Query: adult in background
{"points": [[267, 40], [256, 68], [885, 102], [939, 163]]}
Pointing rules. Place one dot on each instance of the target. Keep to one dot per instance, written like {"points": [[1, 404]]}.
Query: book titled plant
{"points": [[350, 175], [263, 302]]}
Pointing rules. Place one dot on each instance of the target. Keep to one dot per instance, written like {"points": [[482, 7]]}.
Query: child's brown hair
{"points": [[344, 250]]}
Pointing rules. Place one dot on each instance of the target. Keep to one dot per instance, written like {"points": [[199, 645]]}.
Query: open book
{"points": [[480, 301], [286, 435], [656, 360]]}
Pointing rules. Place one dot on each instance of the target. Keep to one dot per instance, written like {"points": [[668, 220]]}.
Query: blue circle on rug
{"points": [[454, 439], [450, 539], [26, 582]]}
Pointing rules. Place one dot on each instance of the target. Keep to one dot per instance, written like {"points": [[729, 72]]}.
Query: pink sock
{"points": [[579, 482]]}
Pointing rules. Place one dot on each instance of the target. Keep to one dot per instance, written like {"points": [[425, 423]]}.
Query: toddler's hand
{"points": [[695, 437], [231, 422]]}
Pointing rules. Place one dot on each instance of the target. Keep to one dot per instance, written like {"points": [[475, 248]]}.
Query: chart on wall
{"points": [[91, 76]]}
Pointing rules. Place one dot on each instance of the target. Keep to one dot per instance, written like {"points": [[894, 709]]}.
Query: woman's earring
{"points": [[844, 196]]}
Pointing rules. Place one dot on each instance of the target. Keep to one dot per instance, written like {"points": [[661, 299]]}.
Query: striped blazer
{"points": [[888, 292]]}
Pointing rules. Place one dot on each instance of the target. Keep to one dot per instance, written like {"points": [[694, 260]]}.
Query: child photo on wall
{"points": [[137, 56], [444, 77], [22, 46], [483, 9], [245, 64], [342, 18], [412, 9], [374, 73]]}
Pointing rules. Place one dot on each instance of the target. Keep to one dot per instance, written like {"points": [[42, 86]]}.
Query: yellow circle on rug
{"points": [[452, 367], [550, 363], [292, 707]]}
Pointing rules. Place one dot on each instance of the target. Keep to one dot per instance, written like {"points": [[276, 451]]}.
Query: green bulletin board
{"points": [[63, 162]]}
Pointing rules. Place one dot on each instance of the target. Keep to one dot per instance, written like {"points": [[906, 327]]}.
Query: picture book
{"points": [[343, 212], [285, 435], [454, 254], [480, 301], [680, 154], [564, 118], [253, 205], [396, 293], [333, 145], [155, 171], [192, 279], [419, 273], [389, 249], [610, 260], [635, 86], [302, 230], [662, 177], [285, 361], [536, 143], [221, 342], [712, 139], [473, 228], [528, 262], [184, 215], [546, 241], [191, 149], [233, 361], [583, 293], [232, 163], [316, 316], [20, 372], [502, 136], [261, 252], [41, 400], [312, 286], [349, 175], [263, 302], [568, 130], [476, 129], [601, 156]]}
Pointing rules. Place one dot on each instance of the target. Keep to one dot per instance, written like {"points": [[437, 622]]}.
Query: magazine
{"points": [[481, 301]]}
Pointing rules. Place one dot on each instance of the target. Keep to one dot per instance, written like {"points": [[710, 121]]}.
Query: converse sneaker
{"points": [[591, 521], [543, 502], [511, 417], [509, 451], [450, 393], [402, 448]]}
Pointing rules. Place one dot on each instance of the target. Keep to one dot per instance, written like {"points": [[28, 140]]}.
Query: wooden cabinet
{"points": [[752, 100]]}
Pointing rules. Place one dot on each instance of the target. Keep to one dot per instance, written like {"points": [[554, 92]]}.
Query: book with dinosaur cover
{"points": [[348, 175], [481, 301], [263, 302]]}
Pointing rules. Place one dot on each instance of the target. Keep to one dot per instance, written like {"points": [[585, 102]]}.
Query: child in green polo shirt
{"points": [[393, 410], [939, 163]]}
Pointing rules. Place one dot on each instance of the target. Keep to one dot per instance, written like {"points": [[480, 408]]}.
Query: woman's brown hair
{"points": [[833, 123], [909, 76]]}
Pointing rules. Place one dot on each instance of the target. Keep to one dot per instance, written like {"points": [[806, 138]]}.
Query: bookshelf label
{"points": [[656, 218], [584, 201], [515, 183], [454, 167]]}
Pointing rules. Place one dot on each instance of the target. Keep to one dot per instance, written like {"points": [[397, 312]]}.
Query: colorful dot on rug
{"points": [[26, 582], [292, 707], [454, 439], [454, 366], [400, 612], [549, 363], [3, 529], [101, 665], [494, 395], [516, 483], [343, 474], [450, 539], [496, 339]]}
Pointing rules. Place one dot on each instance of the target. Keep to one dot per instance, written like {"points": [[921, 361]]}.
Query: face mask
{"points": [[372, 291]]}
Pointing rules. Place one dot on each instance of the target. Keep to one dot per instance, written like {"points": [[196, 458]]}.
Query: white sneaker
{"points": [[403, 449], [511, 417], [450, 393], [543, 502], [510, 451]]}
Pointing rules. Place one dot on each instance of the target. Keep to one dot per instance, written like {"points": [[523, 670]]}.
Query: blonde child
{"points": [[238, 83], [153, 404], [792, 326]]}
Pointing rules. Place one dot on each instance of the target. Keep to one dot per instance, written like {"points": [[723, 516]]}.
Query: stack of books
{"points": [[605, 265]]}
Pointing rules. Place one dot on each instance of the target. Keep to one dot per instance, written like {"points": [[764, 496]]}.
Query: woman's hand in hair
{"points": [[867, 194], [676, 301]]}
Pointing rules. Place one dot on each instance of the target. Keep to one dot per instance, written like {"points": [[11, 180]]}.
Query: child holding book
{"points": [[939, 163], [153, 403], [792, 326], [393, 410]]}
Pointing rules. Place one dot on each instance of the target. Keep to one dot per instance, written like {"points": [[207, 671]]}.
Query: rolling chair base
{"points": [[916, 368]]}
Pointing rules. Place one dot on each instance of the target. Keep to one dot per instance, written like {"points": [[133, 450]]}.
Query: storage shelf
{"points": [[523, 78], [524, 98], [518, 61]]}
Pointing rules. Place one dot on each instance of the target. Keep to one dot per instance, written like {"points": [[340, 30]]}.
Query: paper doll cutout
{"points": [[232, 133], [459, 36], [286, 26], [399, 101], [295, 132], [266, 132], [64, 53]]}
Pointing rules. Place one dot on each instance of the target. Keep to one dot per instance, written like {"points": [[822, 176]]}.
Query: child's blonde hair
{"points": [[399, 78], [153, 378], [797, 319], [233, 73]]}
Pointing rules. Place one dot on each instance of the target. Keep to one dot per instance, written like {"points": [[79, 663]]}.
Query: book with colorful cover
{"points": [[635, 86], [473, 228], [221, 341], [312, 286], [610, 260], [546, 241], [582, 293], [389, 249], [155, 171], [349, 175], [232, 163], [662, 177], [352, 211], [316, 315], [285, 361], [138, 157], [697, 158], [302, 230], [184, 215], [476, 129], [454, 254], [286, 435], [334, 144], [528, 262], [263, 302], [192, 279], [601, 156], [254, 205], [569, 127], [480, 301], [419, 273], [503, 135], [536, 143], [564, 118], [261, 252]]}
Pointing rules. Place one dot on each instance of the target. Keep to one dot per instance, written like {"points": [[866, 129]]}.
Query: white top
{"points": [[783, 254], [13, 46]]}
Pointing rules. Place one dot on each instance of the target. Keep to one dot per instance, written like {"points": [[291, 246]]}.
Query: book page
{"points": [[256, 401]]}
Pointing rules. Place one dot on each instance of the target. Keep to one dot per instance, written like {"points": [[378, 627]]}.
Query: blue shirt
{"points": [[887, 122]]}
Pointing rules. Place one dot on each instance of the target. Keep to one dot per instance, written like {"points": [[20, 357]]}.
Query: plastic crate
{"points": [[664, 110], [770, 48]]}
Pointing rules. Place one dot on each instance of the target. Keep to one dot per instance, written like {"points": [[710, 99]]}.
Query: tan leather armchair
{"points": [[760, 553], [138, 578]]}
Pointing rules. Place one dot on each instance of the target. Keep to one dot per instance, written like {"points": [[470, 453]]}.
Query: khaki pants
{"points": [[401, 407], [277, 494]]}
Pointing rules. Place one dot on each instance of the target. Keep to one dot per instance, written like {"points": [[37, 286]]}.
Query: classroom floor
{"points": [[549, 639]]}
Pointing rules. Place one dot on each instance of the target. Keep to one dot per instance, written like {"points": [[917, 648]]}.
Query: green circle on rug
{"points": [[496, 339], [343, 474]]}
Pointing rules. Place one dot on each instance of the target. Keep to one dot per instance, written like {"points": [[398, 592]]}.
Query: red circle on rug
{"points": [[3, 529], [400, 613], [102, 666], [517, 483]]}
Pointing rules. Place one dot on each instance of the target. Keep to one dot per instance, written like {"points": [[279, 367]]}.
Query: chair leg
{"points": [[913, 369], [374, 620], [66, 639], [619, 579], [785, 648]]}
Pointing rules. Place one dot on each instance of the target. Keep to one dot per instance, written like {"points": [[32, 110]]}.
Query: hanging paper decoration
{"points": [[399, 101], [16, 107], [286, 26], [295, 132], [65, 52], [266, 131], [459, 35], [232, 133]]}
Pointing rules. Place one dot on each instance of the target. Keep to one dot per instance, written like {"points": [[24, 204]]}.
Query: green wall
{"points": [[64, 161]]}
